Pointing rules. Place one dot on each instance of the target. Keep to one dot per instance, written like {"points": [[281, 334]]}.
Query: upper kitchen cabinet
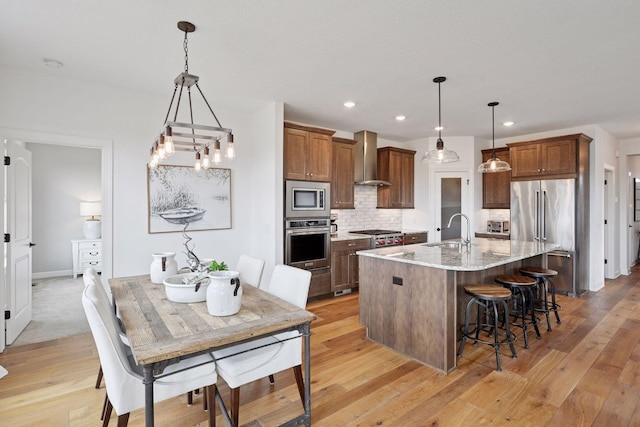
{"points": [[307, 153], [342, 174], [550, 158], [396, 165], [496, 186]]}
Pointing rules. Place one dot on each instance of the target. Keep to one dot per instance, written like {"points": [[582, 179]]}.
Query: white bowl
{"points": [[177, 291]]}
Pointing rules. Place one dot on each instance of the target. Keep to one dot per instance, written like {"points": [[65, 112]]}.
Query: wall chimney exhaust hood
{"points": [[366, 159]]}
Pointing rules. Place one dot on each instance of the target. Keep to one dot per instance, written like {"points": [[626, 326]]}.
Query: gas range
{"points": [[382, 237]]}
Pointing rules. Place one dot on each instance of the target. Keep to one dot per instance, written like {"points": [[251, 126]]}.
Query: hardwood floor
{"points": [[585, 372]]}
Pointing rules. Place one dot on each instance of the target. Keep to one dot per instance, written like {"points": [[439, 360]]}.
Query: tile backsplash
{"points": [[366, 215]]}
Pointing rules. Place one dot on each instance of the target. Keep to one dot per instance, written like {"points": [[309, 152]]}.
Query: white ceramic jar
{"points": [[224, 293], [163, 265]]}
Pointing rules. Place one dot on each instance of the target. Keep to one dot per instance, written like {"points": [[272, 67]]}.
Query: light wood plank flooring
{"points": [[585, 372]]}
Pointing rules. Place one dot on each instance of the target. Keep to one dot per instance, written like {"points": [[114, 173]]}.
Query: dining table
{"points": [[162, 332]]}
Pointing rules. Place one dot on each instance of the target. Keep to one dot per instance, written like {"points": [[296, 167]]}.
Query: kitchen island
{"points": [[412, 297]]}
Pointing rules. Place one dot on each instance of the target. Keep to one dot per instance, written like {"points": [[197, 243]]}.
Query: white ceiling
{"points": [[551, 64]]}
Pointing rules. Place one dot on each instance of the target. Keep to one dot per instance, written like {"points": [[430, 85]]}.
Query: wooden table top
{"points": [[159, 329]]}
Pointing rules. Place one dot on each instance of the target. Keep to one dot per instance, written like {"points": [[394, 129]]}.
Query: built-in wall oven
{"points": [[307, 245]]}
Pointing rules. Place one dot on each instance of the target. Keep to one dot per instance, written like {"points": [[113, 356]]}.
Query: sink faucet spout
{"points": [[468, 239]]}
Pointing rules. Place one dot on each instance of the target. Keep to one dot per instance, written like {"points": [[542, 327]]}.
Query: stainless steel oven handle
{"points": [[304, 231]]}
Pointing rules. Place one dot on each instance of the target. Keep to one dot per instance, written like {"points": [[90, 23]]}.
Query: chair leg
{"points": [[104, 407], [272, 380], [297, 371], [123, 420], [235, 406], [205, 401], [107, 413], [99, 380], [210, 396]]}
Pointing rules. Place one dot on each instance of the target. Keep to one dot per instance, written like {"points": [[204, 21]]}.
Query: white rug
{"points": [[57, 311]]}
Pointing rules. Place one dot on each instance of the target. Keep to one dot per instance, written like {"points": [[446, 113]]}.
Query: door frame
{"points": [[467, 202], [106, 147], [610, 229]]}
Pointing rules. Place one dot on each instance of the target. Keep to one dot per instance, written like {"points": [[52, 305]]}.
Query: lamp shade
{"points": [[90, 208]]}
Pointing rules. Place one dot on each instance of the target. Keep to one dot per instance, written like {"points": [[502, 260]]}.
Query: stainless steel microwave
{"points": [[305, 199]]}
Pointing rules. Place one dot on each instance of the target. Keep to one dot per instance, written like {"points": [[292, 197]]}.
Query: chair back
{"points": [[119, 377], [291, 284], [250, 270]]}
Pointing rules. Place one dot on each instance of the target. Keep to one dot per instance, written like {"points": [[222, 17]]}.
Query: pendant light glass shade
{"points": [[493, 164], [440, 154]]}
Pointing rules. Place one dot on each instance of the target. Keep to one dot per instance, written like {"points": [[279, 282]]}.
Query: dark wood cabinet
{"points": [[344, 263], [415, 238], [342, 196], [496, 186], [307, 153], [396, 165], [550, 158]]}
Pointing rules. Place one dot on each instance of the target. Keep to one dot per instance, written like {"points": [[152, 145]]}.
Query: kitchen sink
{"points": [[445, 244]]}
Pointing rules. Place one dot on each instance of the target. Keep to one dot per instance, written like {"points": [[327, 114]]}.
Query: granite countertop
{"points": [[479, 255]]}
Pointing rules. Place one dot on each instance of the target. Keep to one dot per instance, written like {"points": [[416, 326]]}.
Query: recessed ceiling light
{"points": [[508, 123], [349, 104], [439, 128], [52, 63], [400, 118]]}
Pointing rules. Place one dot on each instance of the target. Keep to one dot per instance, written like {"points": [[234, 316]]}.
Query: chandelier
{"points": [[181, 136]]}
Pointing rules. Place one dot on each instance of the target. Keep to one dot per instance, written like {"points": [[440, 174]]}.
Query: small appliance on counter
{"points": [[498, 226], [334, 226]]}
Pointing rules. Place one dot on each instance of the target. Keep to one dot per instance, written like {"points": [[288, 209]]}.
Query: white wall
{"points": [[62, 178], [40, 102]]}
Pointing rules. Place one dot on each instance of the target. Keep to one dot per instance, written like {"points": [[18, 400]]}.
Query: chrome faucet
{"points": [[468, 239]]}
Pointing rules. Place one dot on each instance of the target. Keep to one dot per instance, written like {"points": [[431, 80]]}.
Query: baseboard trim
{"points": [[47, 274]]}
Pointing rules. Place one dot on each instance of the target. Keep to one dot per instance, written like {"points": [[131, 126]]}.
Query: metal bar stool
{"points": [[545, 286], [522, 290], [490, 297]]}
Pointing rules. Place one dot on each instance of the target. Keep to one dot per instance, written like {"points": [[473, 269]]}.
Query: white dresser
{"points": [[86, 253]]}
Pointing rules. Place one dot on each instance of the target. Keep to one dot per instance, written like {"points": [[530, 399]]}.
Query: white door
{"points": [[18, 251], [451, 197]]}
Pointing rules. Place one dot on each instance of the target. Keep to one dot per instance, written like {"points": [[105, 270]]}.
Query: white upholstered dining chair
{"points": [[250, 269], [244, 363], [123, 378]]}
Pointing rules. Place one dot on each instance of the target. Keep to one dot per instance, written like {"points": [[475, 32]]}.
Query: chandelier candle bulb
{"points": [[205, 160]]}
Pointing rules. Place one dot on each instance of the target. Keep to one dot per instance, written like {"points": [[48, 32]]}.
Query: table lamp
{"points": [[92, 227]]}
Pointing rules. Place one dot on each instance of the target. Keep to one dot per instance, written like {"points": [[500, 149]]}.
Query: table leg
{"points": [[307, 373], [148, 395]]}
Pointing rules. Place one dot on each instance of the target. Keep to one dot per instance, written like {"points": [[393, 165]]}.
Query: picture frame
{"points": [[636, 199], [180, 198]]}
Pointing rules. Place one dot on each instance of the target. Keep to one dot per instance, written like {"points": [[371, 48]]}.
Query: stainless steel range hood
{"points": [[366, 159]]}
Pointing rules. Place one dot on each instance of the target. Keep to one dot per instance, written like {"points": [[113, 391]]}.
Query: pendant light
{"points": [[493, 164], [189, 136], [440, 154]]}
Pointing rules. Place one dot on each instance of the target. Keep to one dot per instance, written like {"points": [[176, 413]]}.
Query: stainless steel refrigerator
{"points": [[547, 211]]}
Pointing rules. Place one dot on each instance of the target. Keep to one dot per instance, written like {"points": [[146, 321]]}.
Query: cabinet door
{"points": [[496, 186], [525, 161], [396, 177], [558, 158], [342, 196], [406, 179], [340, 270], [318, 158], [295, 147], [354, 269]]}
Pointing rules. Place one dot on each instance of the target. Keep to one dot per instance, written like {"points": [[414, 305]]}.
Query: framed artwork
{"points": [[180, 196]]}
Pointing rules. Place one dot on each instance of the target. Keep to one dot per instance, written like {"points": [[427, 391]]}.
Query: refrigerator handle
{"points": [[537, 218], [543, 213]]}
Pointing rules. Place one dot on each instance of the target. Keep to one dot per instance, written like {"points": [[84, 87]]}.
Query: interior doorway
{"points": [[451, 197], [106, 164]]}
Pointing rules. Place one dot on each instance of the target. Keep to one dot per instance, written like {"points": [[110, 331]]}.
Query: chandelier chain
{"points": [[186, 52]]}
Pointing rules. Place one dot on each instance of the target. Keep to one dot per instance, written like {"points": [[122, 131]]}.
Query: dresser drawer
{"points": [[84, 264], [89, 245], [90, 253]]}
